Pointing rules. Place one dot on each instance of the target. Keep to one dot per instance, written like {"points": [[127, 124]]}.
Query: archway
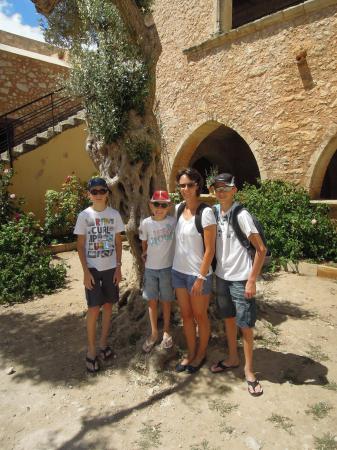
{"points": [[321, 178], [329, 186], [213, 145], [225, 150]]}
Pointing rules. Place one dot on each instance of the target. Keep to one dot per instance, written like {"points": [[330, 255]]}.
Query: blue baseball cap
{"points": [[97, 181]]}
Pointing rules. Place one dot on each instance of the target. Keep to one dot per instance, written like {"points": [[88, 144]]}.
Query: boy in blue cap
{"points": [[99, 245]]}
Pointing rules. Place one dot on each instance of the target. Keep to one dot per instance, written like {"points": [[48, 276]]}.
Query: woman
{"points": [[191, 273]]}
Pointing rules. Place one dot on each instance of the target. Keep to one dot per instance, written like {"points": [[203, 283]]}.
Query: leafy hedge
{"points": [[295, 228], [25, 272]]}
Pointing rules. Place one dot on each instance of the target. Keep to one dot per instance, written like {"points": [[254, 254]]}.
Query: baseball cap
{"points": [[97, 181], [161, 196], [226, 178]]}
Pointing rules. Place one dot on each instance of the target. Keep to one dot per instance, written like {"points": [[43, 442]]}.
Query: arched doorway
{"points": [[225, 150], [329, 185]]}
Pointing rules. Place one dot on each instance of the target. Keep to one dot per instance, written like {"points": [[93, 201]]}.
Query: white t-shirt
{"points": [[233, 260], [159, 235], [189, 248], [100, 228]]}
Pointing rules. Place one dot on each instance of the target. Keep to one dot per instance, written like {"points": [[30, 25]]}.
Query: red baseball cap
{"points": [[161, 196]]}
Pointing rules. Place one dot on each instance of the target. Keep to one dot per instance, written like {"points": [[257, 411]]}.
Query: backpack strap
{"points": [[180, 210], [216, 212], [233, 219]]}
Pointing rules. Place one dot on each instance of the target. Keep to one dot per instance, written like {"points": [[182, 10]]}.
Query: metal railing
{"points": [[26, 121]]}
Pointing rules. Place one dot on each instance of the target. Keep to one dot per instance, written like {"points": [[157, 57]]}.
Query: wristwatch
{"points": [[201, 277]]}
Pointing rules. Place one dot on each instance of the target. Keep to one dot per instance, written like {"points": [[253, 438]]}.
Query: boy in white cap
{"points": [[157, 234]]}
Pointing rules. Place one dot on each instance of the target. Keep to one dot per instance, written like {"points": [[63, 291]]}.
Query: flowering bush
{"points": [[62, 209], [295, 228], [8, 206]]}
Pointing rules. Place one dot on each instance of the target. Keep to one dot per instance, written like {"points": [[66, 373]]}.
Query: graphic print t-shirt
{"points": [[100, 228], [159, 235]]}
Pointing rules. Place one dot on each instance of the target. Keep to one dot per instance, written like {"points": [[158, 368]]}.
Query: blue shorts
{"points": [[183, 280], [231, 302], [158, 284]]}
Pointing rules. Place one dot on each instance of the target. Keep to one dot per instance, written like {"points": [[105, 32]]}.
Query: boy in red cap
{"points": [[157, 235]]}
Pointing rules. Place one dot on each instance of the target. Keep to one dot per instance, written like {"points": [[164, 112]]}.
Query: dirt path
{"points": [[49, 402]]}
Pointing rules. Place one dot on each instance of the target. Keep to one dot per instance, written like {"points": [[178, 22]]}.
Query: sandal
{"points": [[221, 367], [148, 345], [105, 353], [94, 364], [253, 385], [167, 342]]}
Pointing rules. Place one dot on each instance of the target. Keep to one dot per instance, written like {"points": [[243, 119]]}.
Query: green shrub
{"points": [[295, 229], [25, 272], [62, 209]]}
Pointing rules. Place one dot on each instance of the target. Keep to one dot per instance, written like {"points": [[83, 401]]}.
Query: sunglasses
{"points": [[223, 189], [186, 185], [160, 205], [98, 191]]}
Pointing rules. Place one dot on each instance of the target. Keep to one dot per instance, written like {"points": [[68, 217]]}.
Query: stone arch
{"points": [[190, 148], [319, 163]]}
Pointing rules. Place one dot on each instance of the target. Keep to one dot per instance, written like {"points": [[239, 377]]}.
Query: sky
{"points": [[20, 17]]}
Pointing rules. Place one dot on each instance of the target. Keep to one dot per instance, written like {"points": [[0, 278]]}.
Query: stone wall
{"points": [[26, 75], [252, 83], [24, 43]]}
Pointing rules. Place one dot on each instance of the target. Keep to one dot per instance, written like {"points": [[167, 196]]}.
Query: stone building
{"points": [[250, 87], [30, 70]]}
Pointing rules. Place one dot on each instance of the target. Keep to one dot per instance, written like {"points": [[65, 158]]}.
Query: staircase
{"points": [[35, 123]]}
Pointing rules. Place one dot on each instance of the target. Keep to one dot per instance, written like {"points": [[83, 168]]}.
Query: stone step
{"points": [[22, 148], [44, 136]]}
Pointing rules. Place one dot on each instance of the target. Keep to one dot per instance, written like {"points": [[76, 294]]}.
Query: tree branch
{"points": [[45, 6], [146, 38]]}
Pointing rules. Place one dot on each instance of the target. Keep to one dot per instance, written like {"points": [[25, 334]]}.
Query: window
{"points": [[234, 13]]}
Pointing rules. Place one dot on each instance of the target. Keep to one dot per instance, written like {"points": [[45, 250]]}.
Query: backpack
{"points": [[244, 241], [198, 224]]}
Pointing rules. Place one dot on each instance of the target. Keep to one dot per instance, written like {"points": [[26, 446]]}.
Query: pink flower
{"points": [[6, 171], [17, 216], [12, 196]]}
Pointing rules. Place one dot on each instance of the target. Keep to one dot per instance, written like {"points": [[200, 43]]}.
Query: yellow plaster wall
{"points": [[47, 167]]}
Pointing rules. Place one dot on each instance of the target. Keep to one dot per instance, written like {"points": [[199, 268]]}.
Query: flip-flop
{"points": [[148, 345], [222, 367], [105, 353], [193, 369], [94, 362], [254, 384], [167, 342]]}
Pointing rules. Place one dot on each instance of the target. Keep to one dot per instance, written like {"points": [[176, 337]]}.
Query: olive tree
{"points": [[114, 49]]}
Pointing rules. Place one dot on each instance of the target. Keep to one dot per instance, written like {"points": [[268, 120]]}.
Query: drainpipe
{"points": [[217, 16]]}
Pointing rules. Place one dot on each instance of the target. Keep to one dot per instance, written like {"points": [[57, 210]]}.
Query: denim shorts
{"points": [[158, 284], [104, 289], [231, 302], [183, 280]]}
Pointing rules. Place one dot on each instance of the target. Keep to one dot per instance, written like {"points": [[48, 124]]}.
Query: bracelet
{"points": [[201, 277], [118, 264]]}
